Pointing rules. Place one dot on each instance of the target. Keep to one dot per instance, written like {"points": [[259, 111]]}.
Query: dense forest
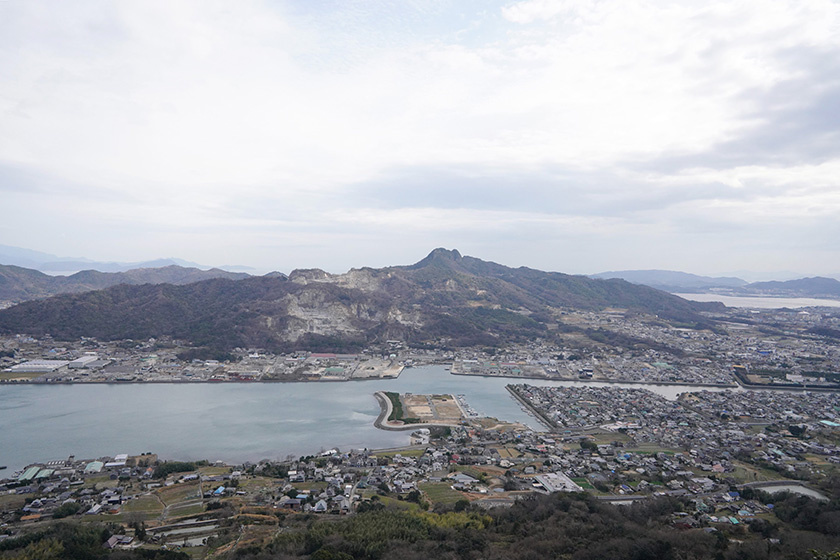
{"points": [[76, 541], [575, 526]]}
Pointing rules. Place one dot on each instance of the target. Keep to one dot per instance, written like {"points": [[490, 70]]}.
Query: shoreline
{"points": [[737, 385], [540, 417], [45, 464], [199, 381], [632, 382]]}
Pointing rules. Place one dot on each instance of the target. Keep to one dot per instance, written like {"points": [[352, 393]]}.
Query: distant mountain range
{"points": [[19, 284], [45, 262], [672, 281], [817, 287], [682, 282], [461, 300]]}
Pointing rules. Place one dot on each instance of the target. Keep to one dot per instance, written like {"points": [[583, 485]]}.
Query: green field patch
{"points": [[403, 453], [179, 493], [751, 473], [311, 486], [396, 406], [9, 502], [606, 438], [441, 493], [101, 482], [214, 471], [186, 509], [143, 504], [390, 502], [9, 375], [583, 483], [255, 484]]}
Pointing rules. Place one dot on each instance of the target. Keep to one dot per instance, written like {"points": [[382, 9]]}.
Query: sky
{"points": [[564, 135]]}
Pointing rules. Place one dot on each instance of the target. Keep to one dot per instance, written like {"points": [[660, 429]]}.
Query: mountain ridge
{"points": [[46, 262], [817, 286], [19, 284], [683, 282], [672, 280], [463, 300]]}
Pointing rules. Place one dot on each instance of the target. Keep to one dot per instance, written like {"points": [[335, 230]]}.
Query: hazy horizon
{"points": [[749, 276]]}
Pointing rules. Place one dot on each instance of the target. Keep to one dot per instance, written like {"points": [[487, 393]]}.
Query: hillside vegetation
{"points": [[19, 284], [462, 300]]}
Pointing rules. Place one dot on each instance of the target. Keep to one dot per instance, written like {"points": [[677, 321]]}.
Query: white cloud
{"points": [[170, 115]]}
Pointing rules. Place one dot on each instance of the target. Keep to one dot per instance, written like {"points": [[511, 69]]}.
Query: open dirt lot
{"points": [[432, 408]]}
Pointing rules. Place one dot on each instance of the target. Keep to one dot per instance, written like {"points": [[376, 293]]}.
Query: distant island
{"points": [[681, 282]]}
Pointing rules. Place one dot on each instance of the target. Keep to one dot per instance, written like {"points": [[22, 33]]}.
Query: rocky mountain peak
{"points": [[440, 257]]}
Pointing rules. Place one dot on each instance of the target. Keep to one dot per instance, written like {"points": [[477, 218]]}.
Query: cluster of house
{"points": [[721, 508], [773, 429], [495, 467], [545, 360], [787, 344], [772, 346], [90, 360], [49, 486]]}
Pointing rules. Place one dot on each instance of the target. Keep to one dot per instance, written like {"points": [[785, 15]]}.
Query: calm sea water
{"points": [[762, 302], [232, 422]]}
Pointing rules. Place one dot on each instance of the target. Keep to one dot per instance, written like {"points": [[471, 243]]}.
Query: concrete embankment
{"points": [[599, 380], [534, 411], [385, 409]]}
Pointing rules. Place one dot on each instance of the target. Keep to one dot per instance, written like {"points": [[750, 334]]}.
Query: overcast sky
{"points": [[576, 136]]}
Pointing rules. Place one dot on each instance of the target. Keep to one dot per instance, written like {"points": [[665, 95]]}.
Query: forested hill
{"points": [[674, 281], [445, 296], [21, 284], [803, 287]]}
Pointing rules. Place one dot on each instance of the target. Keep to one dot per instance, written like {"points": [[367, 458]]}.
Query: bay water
{"points": [[759, 302], [232, 422]]}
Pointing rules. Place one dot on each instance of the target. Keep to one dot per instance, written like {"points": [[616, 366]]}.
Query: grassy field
{"points": [[148, 505], [11, 502], [396, 406], [404, 453], [583, 483], [750, 473], [441, 493], [179, 493], [400, 504], [101, 482], [214, 471], [508, 452], [182, 510], [608, 437], [8, 375], [368, 493], [491, 470], [820, 460], [312, 486]]}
